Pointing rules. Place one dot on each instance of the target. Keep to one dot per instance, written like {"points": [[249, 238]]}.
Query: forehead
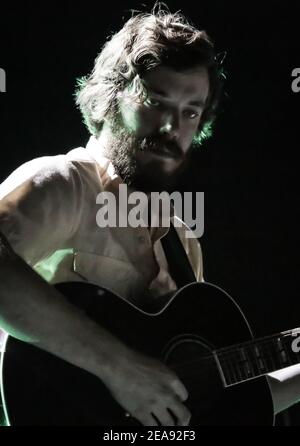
{"points": [[186, 84]]}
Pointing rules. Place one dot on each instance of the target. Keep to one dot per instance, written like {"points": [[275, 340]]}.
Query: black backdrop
{"points": [[248, 170]]}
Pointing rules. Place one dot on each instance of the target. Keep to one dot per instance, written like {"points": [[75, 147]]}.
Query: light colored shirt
{"points": [[48, 214]]}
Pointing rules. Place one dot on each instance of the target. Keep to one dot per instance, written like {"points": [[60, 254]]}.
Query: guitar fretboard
{"points": [[255, 358]]}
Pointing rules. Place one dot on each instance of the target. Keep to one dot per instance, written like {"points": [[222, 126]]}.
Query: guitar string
{"points": [[232, 360], [258, 342], [234, 353]]}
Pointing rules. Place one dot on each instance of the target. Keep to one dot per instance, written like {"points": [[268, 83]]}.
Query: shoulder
{"points": [[58, 171], [37, 172]]}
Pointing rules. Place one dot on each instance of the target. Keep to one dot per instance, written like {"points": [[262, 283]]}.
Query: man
{"points": [[150, 98]]}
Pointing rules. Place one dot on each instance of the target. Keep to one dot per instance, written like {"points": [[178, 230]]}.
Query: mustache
{"points": [[158, 142]]}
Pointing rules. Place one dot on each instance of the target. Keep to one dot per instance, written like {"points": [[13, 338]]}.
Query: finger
{"points": [[181, 413], [164, 416], [179, 389], [147, 420]]}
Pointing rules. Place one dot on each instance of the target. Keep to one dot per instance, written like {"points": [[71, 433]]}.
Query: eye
{"points": [[191, 114], [151, 102]]}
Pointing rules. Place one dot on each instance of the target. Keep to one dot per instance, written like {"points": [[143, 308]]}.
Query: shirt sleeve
{"points": [[39, 208]]}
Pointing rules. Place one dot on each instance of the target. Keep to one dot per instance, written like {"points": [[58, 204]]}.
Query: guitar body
{"points": [[40, 389]]}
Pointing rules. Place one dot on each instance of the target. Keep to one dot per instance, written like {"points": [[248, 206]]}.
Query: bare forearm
{"points": [[34, 311]]}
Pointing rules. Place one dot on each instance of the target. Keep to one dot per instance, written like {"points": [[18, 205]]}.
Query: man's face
{"points": [[152, 140]]}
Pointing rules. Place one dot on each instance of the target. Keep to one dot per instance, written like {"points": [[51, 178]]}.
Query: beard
{"points": [[125, 151]]}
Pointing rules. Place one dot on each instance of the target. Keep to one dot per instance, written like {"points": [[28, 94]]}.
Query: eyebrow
{"points": [[197, 103]]}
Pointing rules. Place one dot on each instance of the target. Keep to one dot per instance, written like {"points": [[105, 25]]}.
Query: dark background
{"points": [[248, 170]]}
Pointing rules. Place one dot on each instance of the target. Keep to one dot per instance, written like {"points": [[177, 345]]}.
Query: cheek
{"points": [[148, 121], [129, 115], [189, 132], [138, 120], [130, 120]]}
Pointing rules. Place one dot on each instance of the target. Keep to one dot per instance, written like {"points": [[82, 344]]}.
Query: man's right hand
{"points": [[148, 391], [144, 387]]}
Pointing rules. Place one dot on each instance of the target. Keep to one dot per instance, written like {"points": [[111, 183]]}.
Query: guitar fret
{"points": [[253, 355], [293, 357], [227, 368], [245, 363], [220, 368], [237, 364], [226, 373], [283, 355], [259, 357], [269, 357], [231, 371], [277, 355]]}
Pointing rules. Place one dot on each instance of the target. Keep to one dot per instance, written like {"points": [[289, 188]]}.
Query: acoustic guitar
{"points": [[199, 332]]}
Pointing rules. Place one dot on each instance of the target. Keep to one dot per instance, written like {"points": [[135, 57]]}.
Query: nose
{"points": [[171, 126]]}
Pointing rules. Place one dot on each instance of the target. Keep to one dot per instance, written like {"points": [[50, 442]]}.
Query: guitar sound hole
{"points": [[186, 350], [191, 359]]}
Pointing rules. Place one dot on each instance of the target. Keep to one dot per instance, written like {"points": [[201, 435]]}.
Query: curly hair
{"points": [[146, 41]]}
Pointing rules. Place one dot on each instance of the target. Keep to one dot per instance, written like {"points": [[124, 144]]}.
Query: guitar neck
{"points": [[259, 357]]}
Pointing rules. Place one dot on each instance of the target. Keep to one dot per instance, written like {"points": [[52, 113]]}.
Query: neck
{"points": [[258, 357]]}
